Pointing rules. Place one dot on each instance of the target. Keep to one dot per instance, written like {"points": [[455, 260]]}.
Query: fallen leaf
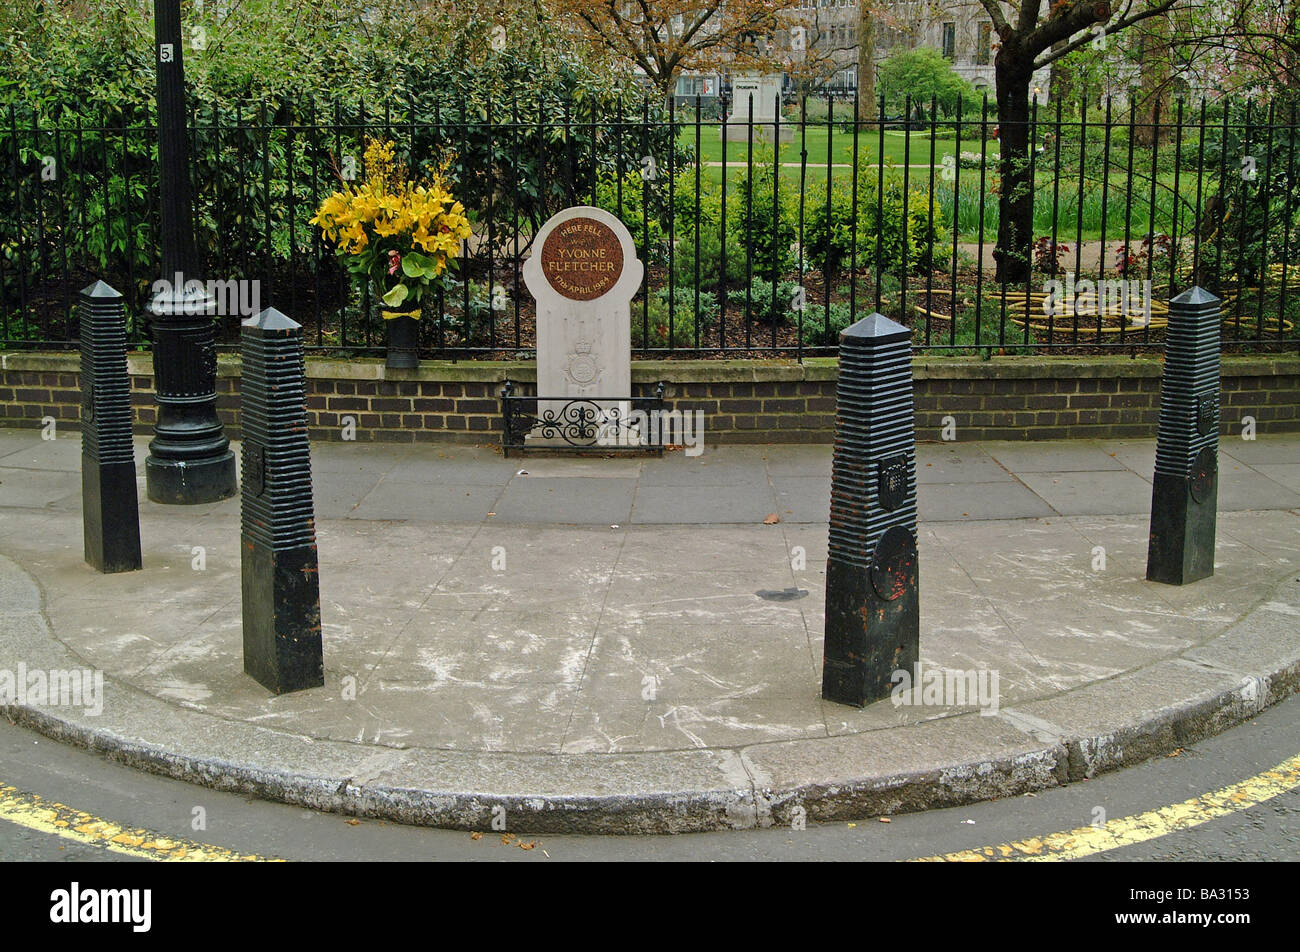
{"points": [[476, 836], [772, 519], [354, 822], [530, 845]]}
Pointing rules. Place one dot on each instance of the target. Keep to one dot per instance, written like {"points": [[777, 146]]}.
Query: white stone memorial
{"points": [[765, 92], [583, 272]]}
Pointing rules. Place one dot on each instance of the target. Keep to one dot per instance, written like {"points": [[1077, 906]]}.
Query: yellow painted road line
{"points": [[1090, 840], [57, 819]]}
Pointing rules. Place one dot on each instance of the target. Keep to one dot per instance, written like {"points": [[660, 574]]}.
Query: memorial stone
{"points": [[765, 94], [583, 272]]}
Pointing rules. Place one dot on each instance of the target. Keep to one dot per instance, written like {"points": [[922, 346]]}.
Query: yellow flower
{"points": [[389, 210]]}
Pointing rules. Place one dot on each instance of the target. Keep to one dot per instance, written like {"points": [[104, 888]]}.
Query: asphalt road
{"points": [[1267, 831]]}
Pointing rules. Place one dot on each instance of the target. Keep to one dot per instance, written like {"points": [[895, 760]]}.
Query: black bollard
{"points": [[872, 602], [279, 564], [1185, 497], [110, 511]]}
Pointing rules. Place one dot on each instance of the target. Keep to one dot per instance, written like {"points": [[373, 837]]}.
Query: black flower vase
{"points": [[403, 340]]}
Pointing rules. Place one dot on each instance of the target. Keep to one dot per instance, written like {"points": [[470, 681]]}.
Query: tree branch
{"points": [[1058, 34], [999, 21]]}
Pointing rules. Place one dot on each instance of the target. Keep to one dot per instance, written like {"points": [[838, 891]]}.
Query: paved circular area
{"points": [[651, 676]]}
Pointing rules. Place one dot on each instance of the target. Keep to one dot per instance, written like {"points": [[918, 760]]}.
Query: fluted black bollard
{"points": [[872, 603], [1185, 497], [280, 569], [110, 511]]}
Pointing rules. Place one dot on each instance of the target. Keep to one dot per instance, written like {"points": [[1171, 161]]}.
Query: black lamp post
{"points": [[190, 460]]}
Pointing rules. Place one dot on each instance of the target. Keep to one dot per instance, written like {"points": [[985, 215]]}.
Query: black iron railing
{"points": [[759, 238]]}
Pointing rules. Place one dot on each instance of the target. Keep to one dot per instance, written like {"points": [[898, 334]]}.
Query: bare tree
{"points": [[664, 37]]}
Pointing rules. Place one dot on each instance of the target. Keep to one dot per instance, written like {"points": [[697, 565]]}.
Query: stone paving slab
{"points": [[632, 676]]}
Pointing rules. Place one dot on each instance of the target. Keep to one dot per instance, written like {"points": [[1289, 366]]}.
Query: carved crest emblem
{"points": [[582, 369]]}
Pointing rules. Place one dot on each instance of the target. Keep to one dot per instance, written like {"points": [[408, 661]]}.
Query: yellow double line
{"points": [[1090, 840], [57, 819]]}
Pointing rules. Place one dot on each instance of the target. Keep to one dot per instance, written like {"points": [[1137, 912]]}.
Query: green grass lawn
{"points": [[836, 145], [822, 144]]}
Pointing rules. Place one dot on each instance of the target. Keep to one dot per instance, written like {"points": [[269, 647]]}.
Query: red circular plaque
{"points": [[582, 259]]}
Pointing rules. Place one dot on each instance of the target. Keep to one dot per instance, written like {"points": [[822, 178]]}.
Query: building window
{"points": [[950, 40], [984, 44]]}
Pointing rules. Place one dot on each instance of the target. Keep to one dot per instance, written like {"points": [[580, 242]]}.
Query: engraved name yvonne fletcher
{"points": [[582, 259]]}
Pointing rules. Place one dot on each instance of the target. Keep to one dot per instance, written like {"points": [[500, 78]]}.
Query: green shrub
{"points": [[828, 231], [923, 245], [829, 235], [761, 309], [633, 205], [764, 228], [684, 319], [816, 333]]}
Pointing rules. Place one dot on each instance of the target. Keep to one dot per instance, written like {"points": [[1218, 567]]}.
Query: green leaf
{"points": [[396, 296], [415, 265]]}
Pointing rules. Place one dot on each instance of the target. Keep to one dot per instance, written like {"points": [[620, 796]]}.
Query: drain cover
{"points": [[784, 595]]}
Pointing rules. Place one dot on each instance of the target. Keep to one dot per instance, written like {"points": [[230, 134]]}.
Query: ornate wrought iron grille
{"points": [[583, 424]]}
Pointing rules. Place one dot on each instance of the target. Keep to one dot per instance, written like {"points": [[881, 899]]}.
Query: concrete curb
{"points": [[943, 762]]}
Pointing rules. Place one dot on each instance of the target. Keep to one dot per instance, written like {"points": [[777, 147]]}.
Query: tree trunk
{"points": [[866, 59], [1153, 91], [1015, 197], [665, 85]]}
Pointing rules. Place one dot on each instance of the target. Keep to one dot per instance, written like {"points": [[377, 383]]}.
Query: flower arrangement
{"points": [[399, 234]]}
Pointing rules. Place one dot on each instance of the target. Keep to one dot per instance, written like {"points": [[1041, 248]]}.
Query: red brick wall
{"points": [[743, 401]]}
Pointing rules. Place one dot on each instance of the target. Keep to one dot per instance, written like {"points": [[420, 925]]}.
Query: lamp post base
{"points": [[182, 483]]}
